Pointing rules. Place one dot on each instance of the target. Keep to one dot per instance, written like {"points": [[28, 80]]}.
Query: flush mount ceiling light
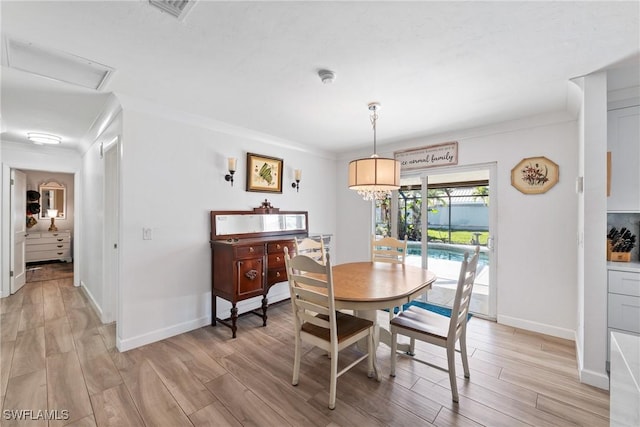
{"points": [[43, 138], [56, 65], [374, 177]]}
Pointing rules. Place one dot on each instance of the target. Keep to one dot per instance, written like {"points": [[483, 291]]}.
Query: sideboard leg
{"points": [[234, 318], [265, 304], [214, 310]]}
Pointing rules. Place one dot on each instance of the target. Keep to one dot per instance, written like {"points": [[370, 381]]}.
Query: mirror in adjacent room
{"points": [[53, 196]]}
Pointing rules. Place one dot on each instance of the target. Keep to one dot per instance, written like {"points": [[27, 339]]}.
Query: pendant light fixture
{"points": [[374, 177]]}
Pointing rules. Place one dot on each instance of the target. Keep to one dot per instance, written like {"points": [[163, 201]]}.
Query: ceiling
{"points": [[434, 66]]}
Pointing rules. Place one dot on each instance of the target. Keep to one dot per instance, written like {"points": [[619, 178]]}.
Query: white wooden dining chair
{"points": [[391, 250], [427, 326], [388, 249], [312, 248], [317, 322]]}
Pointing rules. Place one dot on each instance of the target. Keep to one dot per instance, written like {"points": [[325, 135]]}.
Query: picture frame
{"points": [[264, 173], [535, 175]]}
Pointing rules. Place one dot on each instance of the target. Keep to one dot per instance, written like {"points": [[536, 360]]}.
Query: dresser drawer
{"points": [[624, 282], [249, 251], [624, 312], [47, 255], [47, 247]]}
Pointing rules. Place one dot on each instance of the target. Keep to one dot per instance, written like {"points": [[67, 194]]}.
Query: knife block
{"points": [[621, 256]]}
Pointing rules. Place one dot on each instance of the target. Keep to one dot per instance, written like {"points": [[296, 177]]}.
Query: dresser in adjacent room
{"points": [[247, 256], [48, 246]]}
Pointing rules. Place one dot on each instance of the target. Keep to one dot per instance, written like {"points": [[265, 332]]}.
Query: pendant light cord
{"points": [[374, 118]]}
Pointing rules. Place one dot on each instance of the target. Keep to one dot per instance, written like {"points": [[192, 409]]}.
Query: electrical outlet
{"points": [[146, 234]]}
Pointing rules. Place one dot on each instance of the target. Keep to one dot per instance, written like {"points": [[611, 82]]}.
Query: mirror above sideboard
{"points": [[52, 196]]}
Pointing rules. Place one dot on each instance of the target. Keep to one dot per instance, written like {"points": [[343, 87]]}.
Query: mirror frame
{"points": [[48, 186], [244, 235]]}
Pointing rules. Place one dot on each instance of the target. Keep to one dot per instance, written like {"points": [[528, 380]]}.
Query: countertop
{"points": [[633, 267]]}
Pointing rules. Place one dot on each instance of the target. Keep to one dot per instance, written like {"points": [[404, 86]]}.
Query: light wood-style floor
{"points": [[55, 355]]}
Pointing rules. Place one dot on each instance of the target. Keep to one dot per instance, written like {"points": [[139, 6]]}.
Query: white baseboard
{"points": [[541, 328], [160, 334], [223, 312], [92, 301], [595, 379]]}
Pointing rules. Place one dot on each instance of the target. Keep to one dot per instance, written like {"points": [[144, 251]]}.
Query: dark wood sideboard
{"points": [[247, 256]]}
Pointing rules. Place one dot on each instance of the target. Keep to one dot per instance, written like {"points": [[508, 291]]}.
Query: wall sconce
{"points": [[231, 162], [298, 175], [52, 213]]}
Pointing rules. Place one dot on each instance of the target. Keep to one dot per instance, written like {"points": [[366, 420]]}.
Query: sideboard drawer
{"points": [[276, 260], [249, 251], [624, 312], [276, 275], [624, 282], [279, 247]]}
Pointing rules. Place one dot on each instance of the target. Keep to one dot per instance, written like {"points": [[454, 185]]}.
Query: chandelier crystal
{"points": [[374, 177]]}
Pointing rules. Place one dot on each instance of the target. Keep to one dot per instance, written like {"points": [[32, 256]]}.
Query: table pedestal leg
{"points": [[382, 335]]}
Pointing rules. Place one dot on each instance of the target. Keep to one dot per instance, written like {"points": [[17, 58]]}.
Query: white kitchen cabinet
{"points": [[623, 141], [48, 246], [623, 305], [625, 377]]}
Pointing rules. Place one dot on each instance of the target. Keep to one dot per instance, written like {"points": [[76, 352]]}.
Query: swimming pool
{"points": [[446, 252]]}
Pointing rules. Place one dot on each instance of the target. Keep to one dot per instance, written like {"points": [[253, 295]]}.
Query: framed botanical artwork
{"points": [[534, 175], [264, 173]]}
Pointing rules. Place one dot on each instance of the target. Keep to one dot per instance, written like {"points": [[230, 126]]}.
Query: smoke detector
{"points": [[327, 76]]}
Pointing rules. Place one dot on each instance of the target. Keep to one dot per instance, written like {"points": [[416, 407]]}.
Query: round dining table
{"points": [[369, 286]]}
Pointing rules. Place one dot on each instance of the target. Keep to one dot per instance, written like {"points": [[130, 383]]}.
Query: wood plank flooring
{"points": [[57, 356]]}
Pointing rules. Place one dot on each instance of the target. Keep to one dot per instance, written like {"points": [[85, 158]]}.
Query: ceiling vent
{"points": [[177, 8], [55, 64]]}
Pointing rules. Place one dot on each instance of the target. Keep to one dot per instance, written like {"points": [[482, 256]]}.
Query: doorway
{"points": [[42, 245], [445, 212]]}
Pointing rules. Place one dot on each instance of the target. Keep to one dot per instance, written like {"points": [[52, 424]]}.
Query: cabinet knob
{"points": [[60, 246], [277, 274], [278, 246], [60, 253], [277, 258], [250, 249], [59, 240]]}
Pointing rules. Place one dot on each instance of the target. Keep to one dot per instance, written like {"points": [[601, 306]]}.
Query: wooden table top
{"points": [[378, 281]]}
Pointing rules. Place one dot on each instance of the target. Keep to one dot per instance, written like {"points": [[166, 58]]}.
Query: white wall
{"points": [[172, 173], [536, 244], [92, 211], [591, 330], [28, 157]]}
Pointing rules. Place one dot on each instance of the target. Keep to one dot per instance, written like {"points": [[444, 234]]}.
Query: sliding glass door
{"points": [[445, 213]]}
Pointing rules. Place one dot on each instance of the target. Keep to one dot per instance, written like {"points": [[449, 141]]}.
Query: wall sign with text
{"points": [[426, 157]]}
